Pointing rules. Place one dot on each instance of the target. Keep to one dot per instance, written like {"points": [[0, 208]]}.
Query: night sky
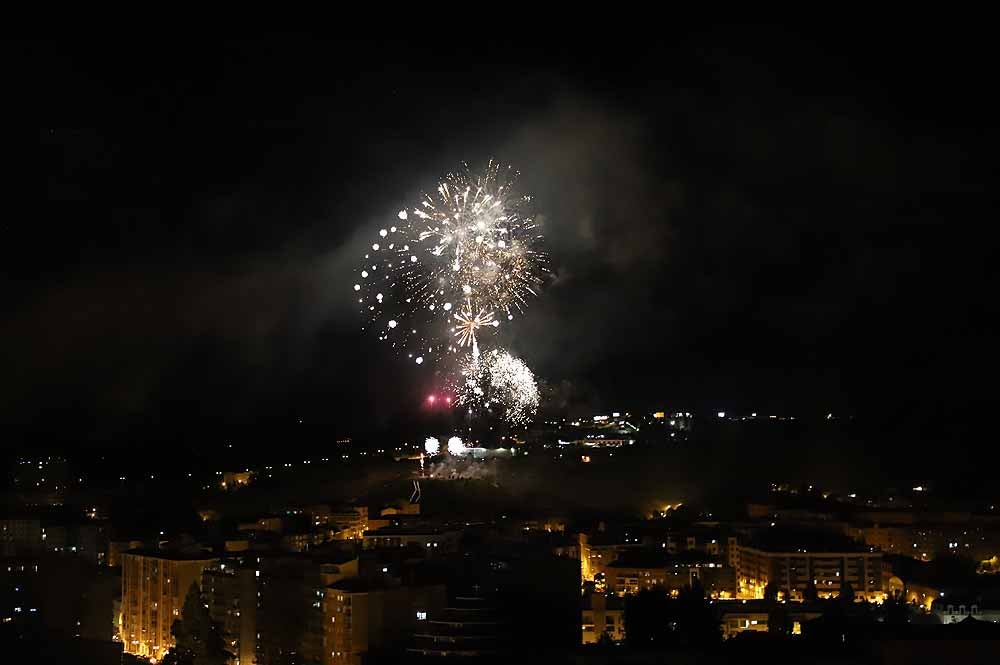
{"points": [[741, 219]]}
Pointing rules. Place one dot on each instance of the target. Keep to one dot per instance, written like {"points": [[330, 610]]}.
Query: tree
{"points": [[653, 620], [647, 619], [196, 637], [810, 593], [697, 622], [846, 593], [896, 611], [771, 592], [778, 620]]}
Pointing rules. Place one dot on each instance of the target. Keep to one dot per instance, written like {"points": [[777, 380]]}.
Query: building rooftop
{"points": [[174, 555], [366, 585], [408, 530], [658, 559], [803, 541], [611, 602], [984, 601], [358, 585]]}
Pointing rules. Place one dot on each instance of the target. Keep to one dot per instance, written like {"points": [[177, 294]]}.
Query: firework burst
{"points": [[456, 446], [472, 242], [469, 323], [498, 381]]}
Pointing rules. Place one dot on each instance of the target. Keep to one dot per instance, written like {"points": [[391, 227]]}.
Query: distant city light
{"points": [[722, 414]]}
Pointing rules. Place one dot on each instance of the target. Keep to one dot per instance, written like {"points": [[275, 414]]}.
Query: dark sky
{"points": [[740, 218]]}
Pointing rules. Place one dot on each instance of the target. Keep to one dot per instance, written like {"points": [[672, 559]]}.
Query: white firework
{"points": [[455, 446], [472, 241], [469, 324], [432, 445], [497, 380]]}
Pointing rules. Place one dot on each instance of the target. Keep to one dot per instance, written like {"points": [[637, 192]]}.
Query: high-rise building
{"points": [[230, 590], [638, 570], [363, 617], [290, 598], [20, 535], [82, 539], [469, 627], [791, 564], [154, 585]]}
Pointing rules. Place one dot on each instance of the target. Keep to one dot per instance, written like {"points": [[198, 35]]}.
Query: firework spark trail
{"points": [[469, 323]]}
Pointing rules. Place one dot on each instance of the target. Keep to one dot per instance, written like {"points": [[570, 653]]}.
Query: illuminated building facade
{"points": [[431, 541], [920, 594], [955, 609], [290, 596], [469, 627], [154, 585], [301, 541], [710, 542], [792, 571], [230, 590], [85, 540], [20, 536], [603, 615], [61, 594], [754, 616], [362, 617], [349, 524], [630, 575], [401, 508], [597, 552], [926, 541], [232, 480]]}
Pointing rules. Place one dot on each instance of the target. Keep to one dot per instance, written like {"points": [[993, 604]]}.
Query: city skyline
{"points": [[651, 345]]}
